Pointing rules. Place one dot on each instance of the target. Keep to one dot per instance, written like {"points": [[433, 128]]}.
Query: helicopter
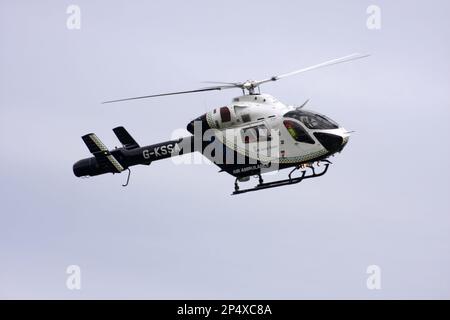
{"points": [[253, 135]]}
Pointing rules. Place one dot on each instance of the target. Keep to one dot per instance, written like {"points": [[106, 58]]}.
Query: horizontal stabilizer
{"points": [[125, 138], [93, 143], [101, 153]]}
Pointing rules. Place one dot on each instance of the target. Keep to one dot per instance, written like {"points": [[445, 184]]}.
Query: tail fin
{"points": [[101, 153], [125, 138]]}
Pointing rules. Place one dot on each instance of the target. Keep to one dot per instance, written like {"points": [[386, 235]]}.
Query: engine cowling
{"points": [[219, 118]]}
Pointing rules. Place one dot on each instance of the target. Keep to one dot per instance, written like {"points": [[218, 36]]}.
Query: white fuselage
{"points": [[250, 115]]}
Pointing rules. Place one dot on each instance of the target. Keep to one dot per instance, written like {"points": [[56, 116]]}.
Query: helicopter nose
{"points": [[332, 142]]}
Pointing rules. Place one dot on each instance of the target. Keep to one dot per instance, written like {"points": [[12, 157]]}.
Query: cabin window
{"points": [[297, 132], [225, 114], [255, 134]]}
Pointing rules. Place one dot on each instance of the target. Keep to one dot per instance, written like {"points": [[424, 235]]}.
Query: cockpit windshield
{"points": [[312, 120]]}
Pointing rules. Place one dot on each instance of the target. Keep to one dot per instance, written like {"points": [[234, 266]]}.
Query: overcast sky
{"points": [[175, 231]]}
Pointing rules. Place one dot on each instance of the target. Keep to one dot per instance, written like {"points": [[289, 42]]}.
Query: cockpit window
{"points": [[297, 132], [312, 120]]}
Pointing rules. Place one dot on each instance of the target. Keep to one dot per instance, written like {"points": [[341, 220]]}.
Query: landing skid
{"points": [[279, 183]]}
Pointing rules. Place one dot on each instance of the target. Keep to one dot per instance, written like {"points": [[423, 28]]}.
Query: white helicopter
{"points": [[252, 135]]}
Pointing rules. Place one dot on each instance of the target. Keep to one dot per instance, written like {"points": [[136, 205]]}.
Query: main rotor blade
{"points": [[237, 84], [351, 57], [173, 93]]}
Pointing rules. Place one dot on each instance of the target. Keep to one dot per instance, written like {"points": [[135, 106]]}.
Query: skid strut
{"points": [[279, 183]]}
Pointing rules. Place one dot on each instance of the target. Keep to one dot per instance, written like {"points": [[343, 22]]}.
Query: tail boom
{"points": [[120, 159]]}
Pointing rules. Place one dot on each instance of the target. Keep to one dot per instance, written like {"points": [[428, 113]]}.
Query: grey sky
{"points": [[176, 232]]}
